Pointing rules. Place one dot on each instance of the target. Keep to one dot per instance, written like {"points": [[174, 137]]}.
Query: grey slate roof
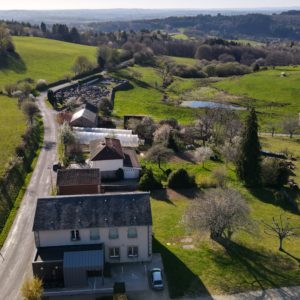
{"points": [[93, 211]]}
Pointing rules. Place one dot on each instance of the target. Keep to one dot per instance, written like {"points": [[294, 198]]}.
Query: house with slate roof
{"points": [[76, 235], [109, 156]]}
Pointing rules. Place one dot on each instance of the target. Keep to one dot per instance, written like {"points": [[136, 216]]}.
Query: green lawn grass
{"points": [[41, 58], [183, 60], [145, 99], [251, 262], [179, 36], [38, 58], [275, 97], [12, 126]]}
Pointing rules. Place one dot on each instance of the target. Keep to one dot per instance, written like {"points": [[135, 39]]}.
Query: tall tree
{"points": [[248, 162], [43, 27]]}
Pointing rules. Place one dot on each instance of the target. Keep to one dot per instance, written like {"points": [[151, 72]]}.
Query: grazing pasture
{"points": [[40, 58]]}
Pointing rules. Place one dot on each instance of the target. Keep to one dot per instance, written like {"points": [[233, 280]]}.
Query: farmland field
{"points": [[275, 97], [42, 59], [38, 58], [12, 126]]}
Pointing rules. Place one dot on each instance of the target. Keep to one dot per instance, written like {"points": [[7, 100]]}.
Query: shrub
{"points": [[274, 172], [41, 85], [120, 174], [148, 182], [32, 289], [10, 88], [180, 179], [220, 176], [231, 69]]}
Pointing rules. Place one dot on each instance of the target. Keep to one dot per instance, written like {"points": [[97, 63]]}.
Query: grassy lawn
{"points": [[195, 264], [38, 58], [183, 60], [42, 59], [180, 36], [281, 144], [274, 97], [12, 126]]}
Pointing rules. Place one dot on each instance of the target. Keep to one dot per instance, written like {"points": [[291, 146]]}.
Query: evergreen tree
{"points": [[248, 163], [43, 27]]}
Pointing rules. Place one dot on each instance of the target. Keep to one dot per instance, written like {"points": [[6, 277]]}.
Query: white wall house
{"points": [[76, 235], [109, 156], [117, 241]]}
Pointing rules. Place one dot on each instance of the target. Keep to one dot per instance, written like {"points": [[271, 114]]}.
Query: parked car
{"points": [[156, 278]]}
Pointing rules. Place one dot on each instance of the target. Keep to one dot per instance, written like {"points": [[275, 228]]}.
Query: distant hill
{"points": [[83, 16], [39, 58], [258, 25]]}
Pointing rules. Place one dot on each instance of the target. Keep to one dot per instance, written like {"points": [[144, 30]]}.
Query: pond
{"points": [[210, 104]]}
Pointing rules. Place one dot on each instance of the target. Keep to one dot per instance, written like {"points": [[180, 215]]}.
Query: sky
{"points": [[159, 4]]}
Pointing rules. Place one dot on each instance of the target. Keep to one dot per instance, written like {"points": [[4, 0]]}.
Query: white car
{"points": [[156, 279]]}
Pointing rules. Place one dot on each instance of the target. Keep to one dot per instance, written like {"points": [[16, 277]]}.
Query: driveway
{"points": [[19, 246]]}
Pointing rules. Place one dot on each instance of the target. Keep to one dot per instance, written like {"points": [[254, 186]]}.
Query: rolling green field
{"points": [[275, 97], [42, 59], [38, 59], [183, 60], [12, 126], [195, 263], [146, 97]]}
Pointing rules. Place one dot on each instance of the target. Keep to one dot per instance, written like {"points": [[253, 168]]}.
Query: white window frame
{"points": [[114, 250], [76, 234], [130, 251]]}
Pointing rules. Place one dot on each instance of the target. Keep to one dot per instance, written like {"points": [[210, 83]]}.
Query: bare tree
{"points": [[220, 176], [159, 154], [272, 128], [66, 137], [144, 129], [203, 154], [32, 289], [282, 229], [230, 150], [81, 65], [30, 109], [161, 134], [290, 126], [221, 212]]}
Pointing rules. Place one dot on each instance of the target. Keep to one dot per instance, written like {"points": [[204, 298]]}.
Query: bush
{"points": [[274, 172], [180, 179], [120, 174], [231, 69], [41, 85], [148, 182]]}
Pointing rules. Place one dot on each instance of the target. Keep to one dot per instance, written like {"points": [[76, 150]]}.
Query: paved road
{"points": [[18, 249]]}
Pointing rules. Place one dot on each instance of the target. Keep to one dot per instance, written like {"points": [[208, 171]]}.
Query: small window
{"points": [[114, 252], [133, 251], [113, 233], [75, 235], [132, 233], [94, 234]]}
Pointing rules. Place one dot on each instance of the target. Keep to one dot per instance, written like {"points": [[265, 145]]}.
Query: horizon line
{"points": [[165, 8]]}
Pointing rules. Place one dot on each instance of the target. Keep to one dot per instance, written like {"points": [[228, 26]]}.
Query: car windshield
{"points": [[157, 282]]}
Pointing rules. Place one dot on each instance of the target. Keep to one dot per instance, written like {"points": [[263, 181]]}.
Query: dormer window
{"points": [[75, 235]]}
